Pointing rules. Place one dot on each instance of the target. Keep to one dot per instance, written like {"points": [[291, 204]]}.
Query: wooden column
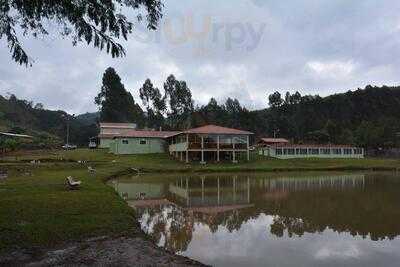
{"points": [[248, 148], [218, 148], [233, 152], [187, 148], [202, 150]]}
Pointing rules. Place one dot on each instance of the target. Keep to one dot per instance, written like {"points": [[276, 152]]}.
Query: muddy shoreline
{"points": [[100, 251]]}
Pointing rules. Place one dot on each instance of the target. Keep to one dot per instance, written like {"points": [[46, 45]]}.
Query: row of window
{"points": [[319, 151], [141, 142], [223, 139]]}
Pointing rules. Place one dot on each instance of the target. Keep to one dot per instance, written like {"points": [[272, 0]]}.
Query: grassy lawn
{"points": [[37, 210], [163, 163]]}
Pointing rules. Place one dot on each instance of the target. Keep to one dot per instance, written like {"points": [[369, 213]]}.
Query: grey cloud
{"points": [[311, 46]]}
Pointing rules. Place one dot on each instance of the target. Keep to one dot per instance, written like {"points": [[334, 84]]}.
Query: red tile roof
{"points": [[144, 134], [208, 129], [214, 129], [274, 140]]}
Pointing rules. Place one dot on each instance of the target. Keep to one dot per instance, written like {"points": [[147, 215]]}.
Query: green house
{"points": [[140, 142], [109, 130]]}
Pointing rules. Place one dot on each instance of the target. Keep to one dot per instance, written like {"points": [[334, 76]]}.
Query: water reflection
{"points": [[226, 220]]}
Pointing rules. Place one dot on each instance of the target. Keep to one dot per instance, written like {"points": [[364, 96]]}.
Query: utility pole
{"points": [[67, 131], [68, 125]]}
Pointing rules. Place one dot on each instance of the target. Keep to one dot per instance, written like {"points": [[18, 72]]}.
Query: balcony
{"points": [[178, 147], [222, 146]]}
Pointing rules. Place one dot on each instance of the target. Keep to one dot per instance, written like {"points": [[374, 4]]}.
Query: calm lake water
{"points": [[306, 219]]}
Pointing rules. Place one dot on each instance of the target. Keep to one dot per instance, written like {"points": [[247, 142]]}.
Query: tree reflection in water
{"points": [[366, 205]]}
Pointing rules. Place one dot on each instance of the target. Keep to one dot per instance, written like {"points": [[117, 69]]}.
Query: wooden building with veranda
{"points": [[211, 143]]}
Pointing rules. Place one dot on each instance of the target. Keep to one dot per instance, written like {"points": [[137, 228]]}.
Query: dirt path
{"points": [[103, 251]]}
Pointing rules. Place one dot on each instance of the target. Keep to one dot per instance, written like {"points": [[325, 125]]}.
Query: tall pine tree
{"points": [[115, 103]]}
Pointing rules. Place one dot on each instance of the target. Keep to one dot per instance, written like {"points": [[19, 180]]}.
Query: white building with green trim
{"points": [[291, 151]]}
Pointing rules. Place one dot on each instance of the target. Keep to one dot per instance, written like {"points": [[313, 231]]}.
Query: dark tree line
{"points": [[367, 117]]}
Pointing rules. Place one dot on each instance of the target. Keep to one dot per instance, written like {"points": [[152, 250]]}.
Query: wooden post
{"points": [[187, 148], [248, 149], [202, 150], [233, 152], [218, 148]]}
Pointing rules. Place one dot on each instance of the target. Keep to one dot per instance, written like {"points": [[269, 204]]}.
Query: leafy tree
{"points": [[346, 137], [332, 130], [115, 103], [214, 113], [275, 100], [180, 101], [234, 111], [295, 98], [39, 106], [146, 93], [95, 22], [11, 144], [154, 102], [367, 135], [151, 96], [288, 98]]}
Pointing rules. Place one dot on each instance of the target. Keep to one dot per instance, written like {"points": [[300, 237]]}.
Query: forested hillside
{"points": [[367, 117], [47, 126]]}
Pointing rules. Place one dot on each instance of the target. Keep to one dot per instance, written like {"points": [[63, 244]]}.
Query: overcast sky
{"points": [[244, 48]]}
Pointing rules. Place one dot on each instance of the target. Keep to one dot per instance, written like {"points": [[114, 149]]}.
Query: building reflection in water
{"points": [[170, 209]]}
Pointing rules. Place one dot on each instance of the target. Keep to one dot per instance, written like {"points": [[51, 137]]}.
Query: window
{"points": [[313, 151], [290, 151], [279, 151], [348, 151], [325, 151], [358, 151], [143, 141], [337, 151], [125, 141], [303, 151]]}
